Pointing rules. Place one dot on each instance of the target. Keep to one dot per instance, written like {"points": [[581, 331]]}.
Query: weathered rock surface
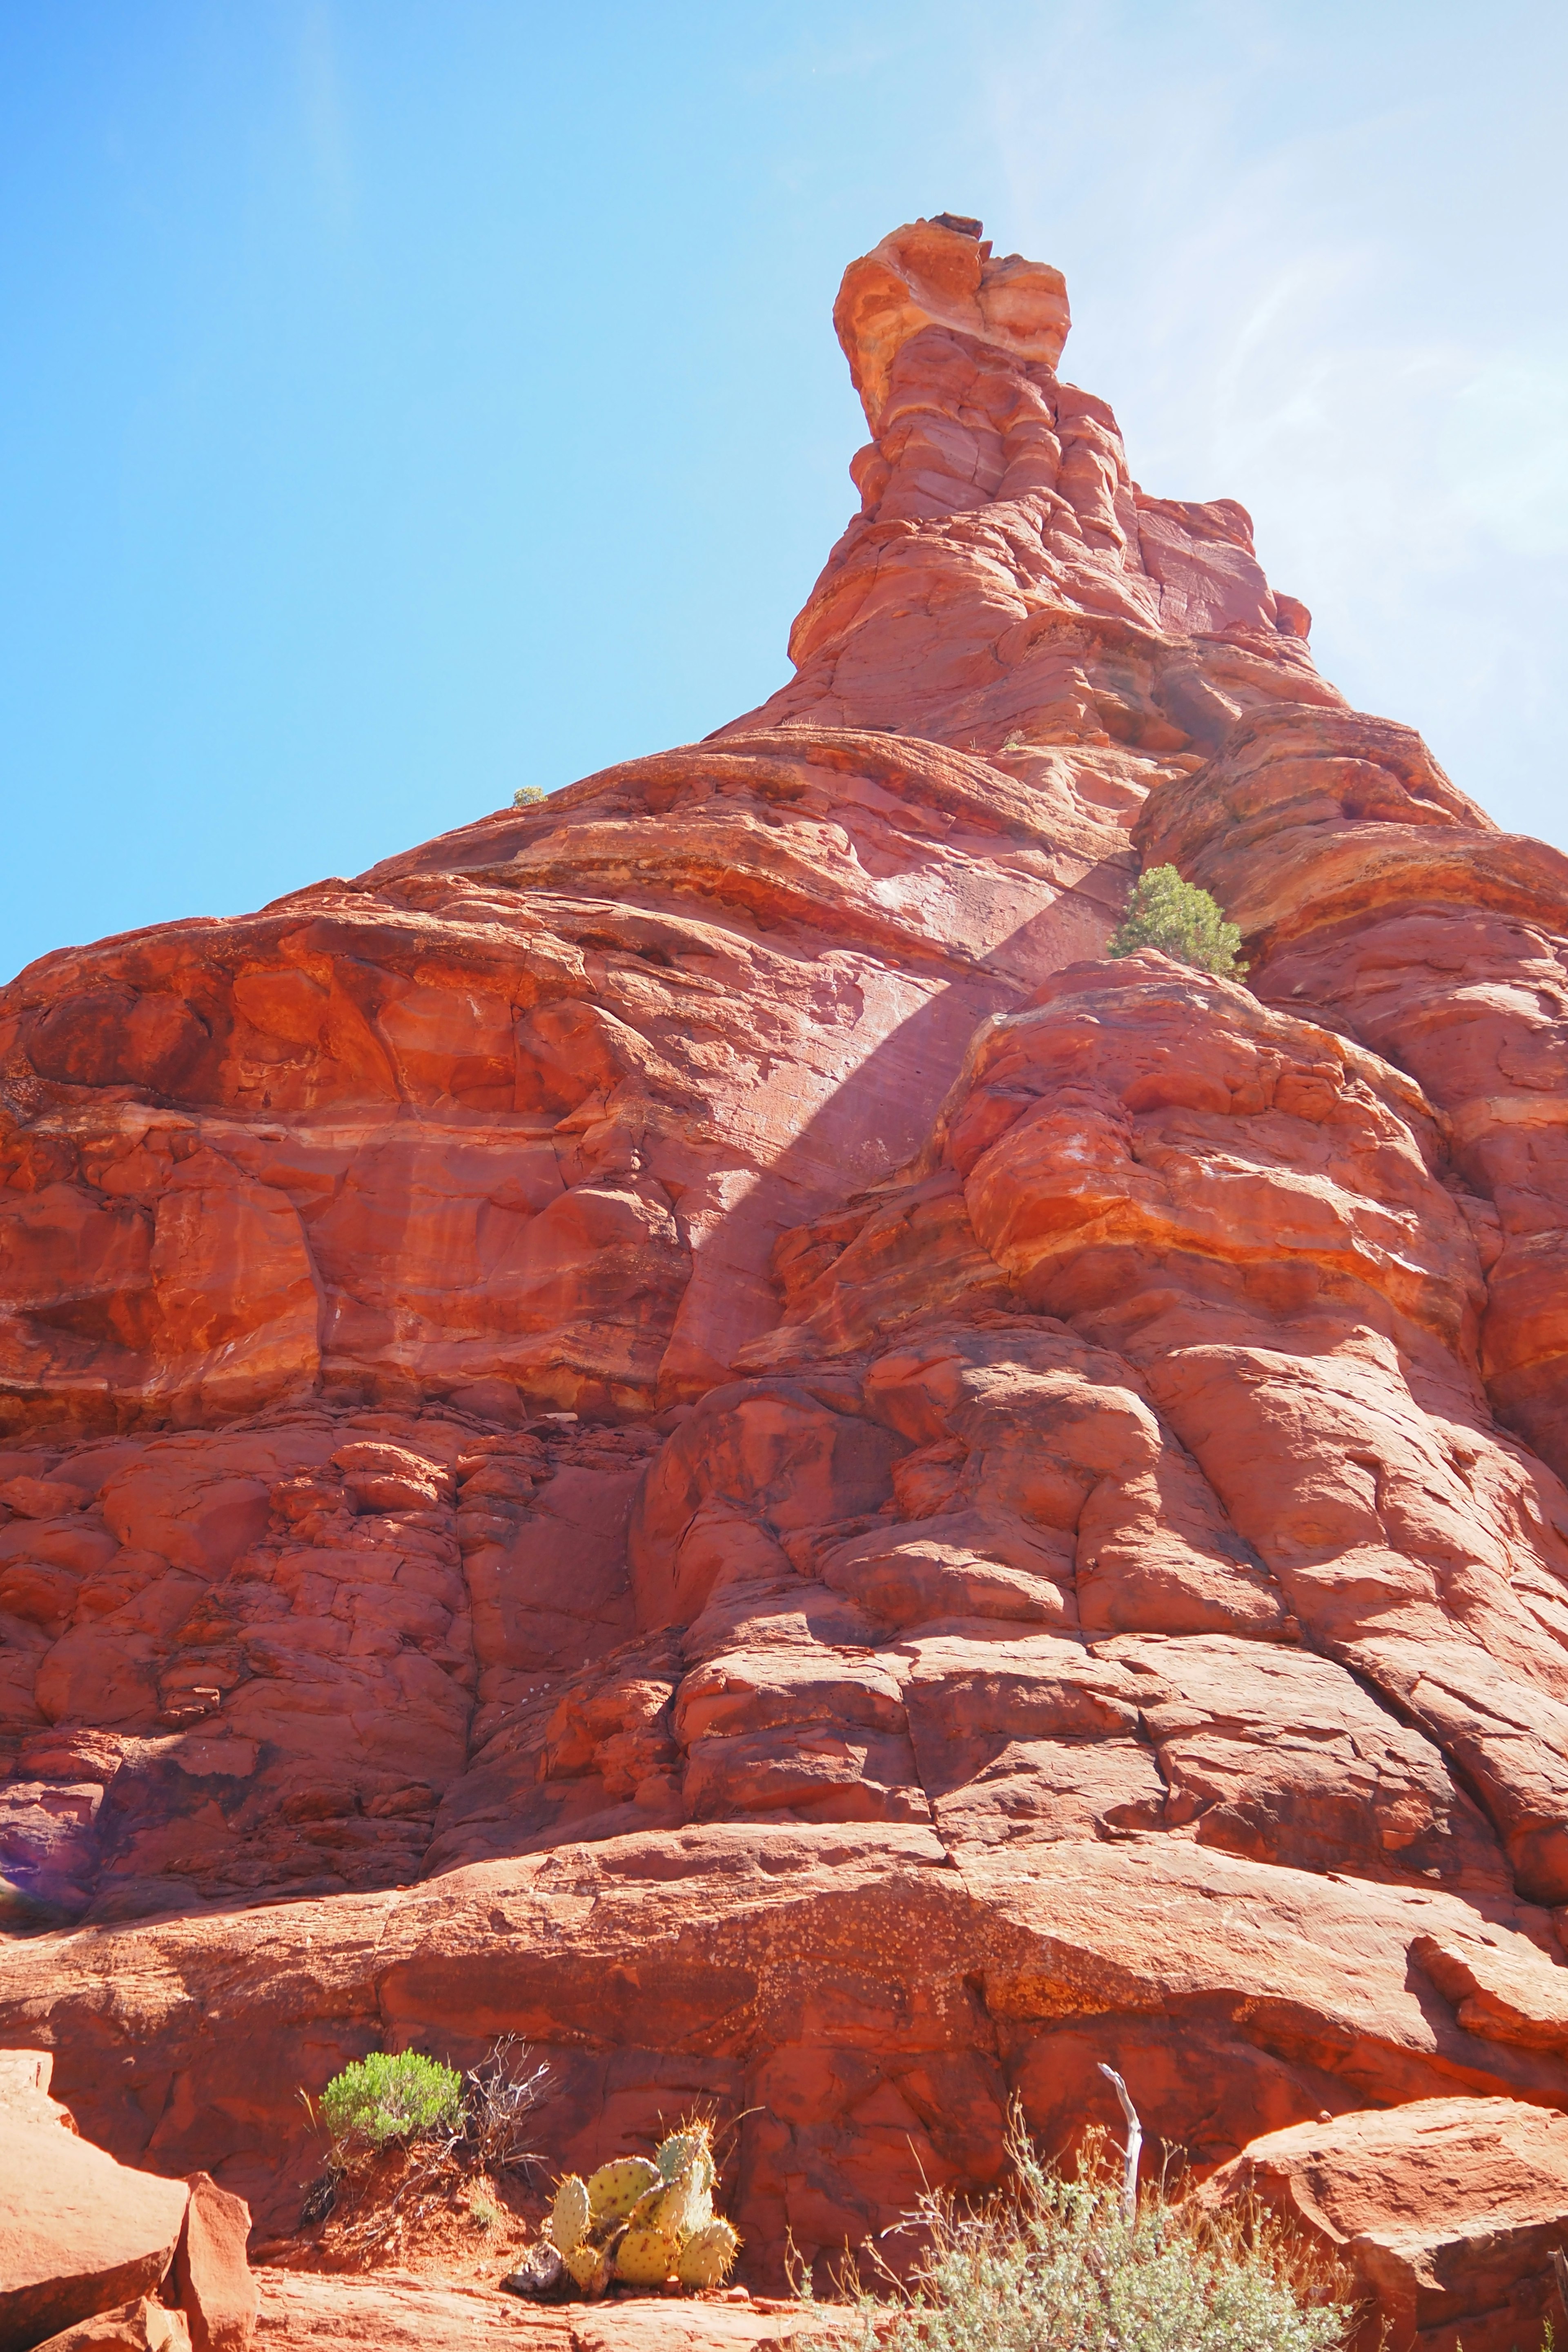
{"points": [[528, 1106], [212, 2274], [681, 1424], [394, 2309], [1378, 898]]}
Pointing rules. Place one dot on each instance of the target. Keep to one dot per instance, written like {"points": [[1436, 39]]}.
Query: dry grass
{"points": [[419, 2209], [1055, 2265], [499, 2097]]}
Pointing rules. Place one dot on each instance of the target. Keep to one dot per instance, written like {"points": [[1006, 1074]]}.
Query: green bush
{"points": [[383, 2098], [529, 796], [1055, 2265], [1180, 921]]}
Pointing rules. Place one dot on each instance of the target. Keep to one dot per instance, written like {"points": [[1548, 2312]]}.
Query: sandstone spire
{"points": [[680, 1423]]}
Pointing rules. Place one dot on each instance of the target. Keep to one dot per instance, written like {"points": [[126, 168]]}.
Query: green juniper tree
{"points": [[1180, 921], [383, 2097]]}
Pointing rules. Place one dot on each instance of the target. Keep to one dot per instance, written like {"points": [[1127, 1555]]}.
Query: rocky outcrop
{"points": [[526, 1109], [1376, 895], [681, 1424], [212, 2272], [1006, 585]]}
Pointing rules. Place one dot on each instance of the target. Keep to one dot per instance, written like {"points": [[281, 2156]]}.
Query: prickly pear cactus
{"points": [[709, 2255], [568, 2215], [614, 2189], [645, 2257], [643, 2223], [641, 2216]]}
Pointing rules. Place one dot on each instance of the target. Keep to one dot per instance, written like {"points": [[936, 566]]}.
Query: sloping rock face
{"points": [[680, 1424]]}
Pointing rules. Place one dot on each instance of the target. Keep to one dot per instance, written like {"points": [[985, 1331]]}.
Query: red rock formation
{"points": [[1376, 895], [667, 1424], [212, 2273]]}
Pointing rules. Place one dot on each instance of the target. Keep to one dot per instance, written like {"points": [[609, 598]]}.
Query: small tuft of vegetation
{"points": [[528, 796], [382, 2098], [1180, 921], [1058, 2264]]}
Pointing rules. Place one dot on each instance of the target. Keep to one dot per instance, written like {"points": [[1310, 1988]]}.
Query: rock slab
{"points": [[1448, 2210], [144, 2326], [392, 2309], [79, 2233], [217, 2291]]}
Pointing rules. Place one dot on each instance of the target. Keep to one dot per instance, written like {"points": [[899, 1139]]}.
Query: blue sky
{"points": [[404, 400]]}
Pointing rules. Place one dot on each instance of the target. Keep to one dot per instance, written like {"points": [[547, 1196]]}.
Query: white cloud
{"points": [[1319, 297]]}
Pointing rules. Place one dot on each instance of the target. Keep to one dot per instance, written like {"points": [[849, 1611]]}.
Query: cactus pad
{"points": [[568, 2215], [641, 2216], [707, 2256], [645, 2257], [614, 2189], [693, 2146], [590, 2268], [687, 2205]]}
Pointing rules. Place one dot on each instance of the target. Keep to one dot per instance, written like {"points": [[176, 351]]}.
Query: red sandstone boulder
{"points": [[1447, 2211], [79, 2233], [217, 2294]]}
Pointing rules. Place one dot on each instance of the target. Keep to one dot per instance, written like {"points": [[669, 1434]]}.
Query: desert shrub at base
{"points": [[1054, 2265], [380, 2098], [1180, 921]]}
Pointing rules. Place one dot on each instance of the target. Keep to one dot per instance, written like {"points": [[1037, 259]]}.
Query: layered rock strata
{"points": [[680, 1424]]}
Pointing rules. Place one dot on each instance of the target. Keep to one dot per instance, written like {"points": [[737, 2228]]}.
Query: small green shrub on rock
{"points": [[528, 796], [380, 2098], [1180, 921]]}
